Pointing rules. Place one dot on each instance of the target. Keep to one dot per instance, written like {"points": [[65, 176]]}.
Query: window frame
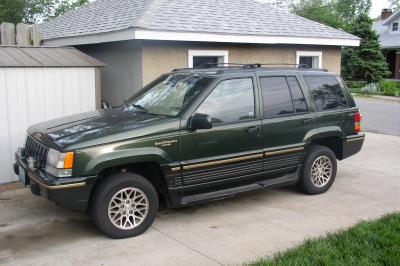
{"points": [[218, 53], [299, 81], [309, 54], [392, 28], [255, 98]]}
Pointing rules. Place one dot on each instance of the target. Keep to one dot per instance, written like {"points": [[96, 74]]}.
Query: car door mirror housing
{"points": [[104, 105], [200, 121]]}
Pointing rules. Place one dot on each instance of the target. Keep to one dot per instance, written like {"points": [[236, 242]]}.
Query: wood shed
{"points": [[39, 84]]}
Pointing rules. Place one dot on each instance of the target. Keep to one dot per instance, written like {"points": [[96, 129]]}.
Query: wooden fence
{"points": [[21, 35]]}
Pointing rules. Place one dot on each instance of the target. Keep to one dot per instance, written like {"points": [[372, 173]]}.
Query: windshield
{"points": [[169, 95]]}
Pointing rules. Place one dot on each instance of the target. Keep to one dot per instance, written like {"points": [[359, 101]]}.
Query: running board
{"points": [[287, 179]]}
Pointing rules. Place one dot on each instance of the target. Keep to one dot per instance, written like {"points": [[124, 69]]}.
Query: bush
{"points": [[355, 86], [390, 88], [384, 87]]}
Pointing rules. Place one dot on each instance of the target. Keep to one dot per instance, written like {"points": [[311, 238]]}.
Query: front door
{"points": [[286, 121], [231, 151]]}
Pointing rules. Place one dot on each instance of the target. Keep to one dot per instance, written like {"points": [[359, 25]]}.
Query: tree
{"points": [[335, 13], [64, 6], [322, 11], [364, 63], [349, 10], [35, 11], [395, 4]]}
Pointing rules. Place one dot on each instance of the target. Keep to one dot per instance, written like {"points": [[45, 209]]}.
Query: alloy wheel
{"points": [[321, 171], [128, 208]]}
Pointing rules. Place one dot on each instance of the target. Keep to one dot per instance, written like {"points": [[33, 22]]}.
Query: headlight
{"points": [[59, 164], [60, 160]]}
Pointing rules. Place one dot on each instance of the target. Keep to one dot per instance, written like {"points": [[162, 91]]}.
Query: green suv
{"points": [[191, 136]]}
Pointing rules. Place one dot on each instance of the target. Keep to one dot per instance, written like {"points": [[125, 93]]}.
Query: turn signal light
{"points": [[68, 160], [357, 122]]}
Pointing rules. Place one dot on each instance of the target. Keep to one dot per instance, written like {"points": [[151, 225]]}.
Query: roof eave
{"points": [[139, 34]]}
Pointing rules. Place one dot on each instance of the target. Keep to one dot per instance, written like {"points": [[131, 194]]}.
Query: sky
{"points": [[377, 6]]}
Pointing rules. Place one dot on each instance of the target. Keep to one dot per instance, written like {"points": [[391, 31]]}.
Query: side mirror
{"points": [[200, 121], [104, 105]]}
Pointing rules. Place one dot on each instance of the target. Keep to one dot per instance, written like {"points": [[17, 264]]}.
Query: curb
{"points": [[379, 97]]}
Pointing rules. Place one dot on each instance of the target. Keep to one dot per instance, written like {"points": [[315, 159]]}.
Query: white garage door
{"points": [[32, 95]]}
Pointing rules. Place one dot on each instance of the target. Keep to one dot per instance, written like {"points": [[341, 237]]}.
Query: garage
{"points": [[39, 84]]}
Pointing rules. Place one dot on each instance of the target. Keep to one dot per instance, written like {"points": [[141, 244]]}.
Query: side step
{"points": [[287, 179]]}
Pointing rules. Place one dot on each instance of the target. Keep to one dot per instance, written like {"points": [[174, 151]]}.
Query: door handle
{"points": [[308, 120], [252, 129]]}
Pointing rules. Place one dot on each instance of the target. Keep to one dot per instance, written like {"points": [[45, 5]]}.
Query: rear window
{"points": [[326, 92]]}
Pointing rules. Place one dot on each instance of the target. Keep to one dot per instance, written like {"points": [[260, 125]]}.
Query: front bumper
{"points": [[71, 193]]}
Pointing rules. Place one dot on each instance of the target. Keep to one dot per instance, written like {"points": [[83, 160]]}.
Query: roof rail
{"points": [[237, 66]]}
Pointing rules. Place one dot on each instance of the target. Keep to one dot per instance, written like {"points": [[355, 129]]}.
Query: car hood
{"points": [[80, 128]]}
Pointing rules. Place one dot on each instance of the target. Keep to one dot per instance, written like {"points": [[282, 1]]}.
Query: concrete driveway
{"points": [[34, 231]]}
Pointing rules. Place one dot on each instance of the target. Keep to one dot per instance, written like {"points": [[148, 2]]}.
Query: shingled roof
{"points": [[224, 17]]}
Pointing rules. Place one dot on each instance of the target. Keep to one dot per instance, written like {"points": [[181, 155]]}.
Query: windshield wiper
{"points": [[139, 107]]}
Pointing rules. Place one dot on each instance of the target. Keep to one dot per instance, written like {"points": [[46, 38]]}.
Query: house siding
{"points": [[161, 57], [30, 95], [122, 75]]}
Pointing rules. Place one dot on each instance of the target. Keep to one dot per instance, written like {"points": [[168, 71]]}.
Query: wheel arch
{"points": [[330, 137], [149, 169]]}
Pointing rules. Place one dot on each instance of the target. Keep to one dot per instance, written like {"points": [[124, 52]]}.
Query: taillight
{"points": [[357, 122]]}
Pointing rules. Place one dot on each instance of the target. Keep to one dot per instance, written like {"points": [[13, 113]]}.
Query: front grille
{"points": [[37, 151]]}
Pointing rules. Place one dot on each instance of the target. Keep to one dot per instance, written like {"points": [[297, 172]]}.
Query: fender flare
{"points": [[129, 156], [323, 132]]}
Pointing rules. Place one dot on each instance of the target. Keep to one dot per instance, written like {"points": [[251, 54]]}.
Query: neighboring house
{"points": [[141, 39], [388, 28]]}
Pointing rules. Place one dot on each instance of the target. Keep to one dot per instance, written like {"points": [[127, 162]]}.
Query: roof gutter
{"points": [[132, 34]]}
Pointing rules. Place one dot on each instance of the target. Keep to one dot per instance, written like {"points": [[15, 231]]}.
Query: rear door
{"points": [[287, 118]]}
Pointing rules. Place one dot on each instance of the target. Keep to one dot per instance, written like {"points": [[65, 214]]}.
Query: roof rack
{"points": [[221, 67]]}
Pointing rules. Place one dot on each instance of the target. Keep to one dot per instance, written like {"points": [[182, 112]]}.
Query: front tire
{"points": [[319, 170], [124, 205]]}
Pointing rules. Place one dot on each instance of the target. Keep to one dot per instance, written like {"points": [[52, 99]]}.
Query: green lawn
{"points": [[367, 243]]}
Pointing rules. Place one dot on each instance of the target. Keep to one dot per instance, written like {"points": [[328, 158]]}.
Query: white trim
{"points": [[114, 36], [391, 31], [220, 53], [131, 34], [213, 37], [309, 53]]}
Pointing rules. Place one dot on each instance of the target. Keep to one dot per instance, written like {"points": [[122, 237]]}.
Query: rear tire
{"points": [[124, 205], [319, 170]]}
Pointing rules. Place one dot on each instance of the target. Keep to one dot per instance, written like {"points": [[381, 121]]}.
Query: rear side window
{"points": [[326, 92], [299, 102], [282, 96], [276, 96]]}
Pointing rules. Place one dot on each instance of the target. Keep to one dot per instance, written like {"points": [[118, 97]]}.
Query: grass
{"points": [[367, 243]]}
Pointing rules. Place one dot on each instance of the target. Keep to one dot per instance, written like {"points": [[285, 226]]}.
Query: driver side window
{"points": [[231, 101]]}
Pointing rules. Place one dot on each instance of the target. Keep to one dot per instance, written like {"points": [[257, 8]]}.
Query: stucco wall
{"points": [[160, 57], [122, 75], [132, 64]]}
